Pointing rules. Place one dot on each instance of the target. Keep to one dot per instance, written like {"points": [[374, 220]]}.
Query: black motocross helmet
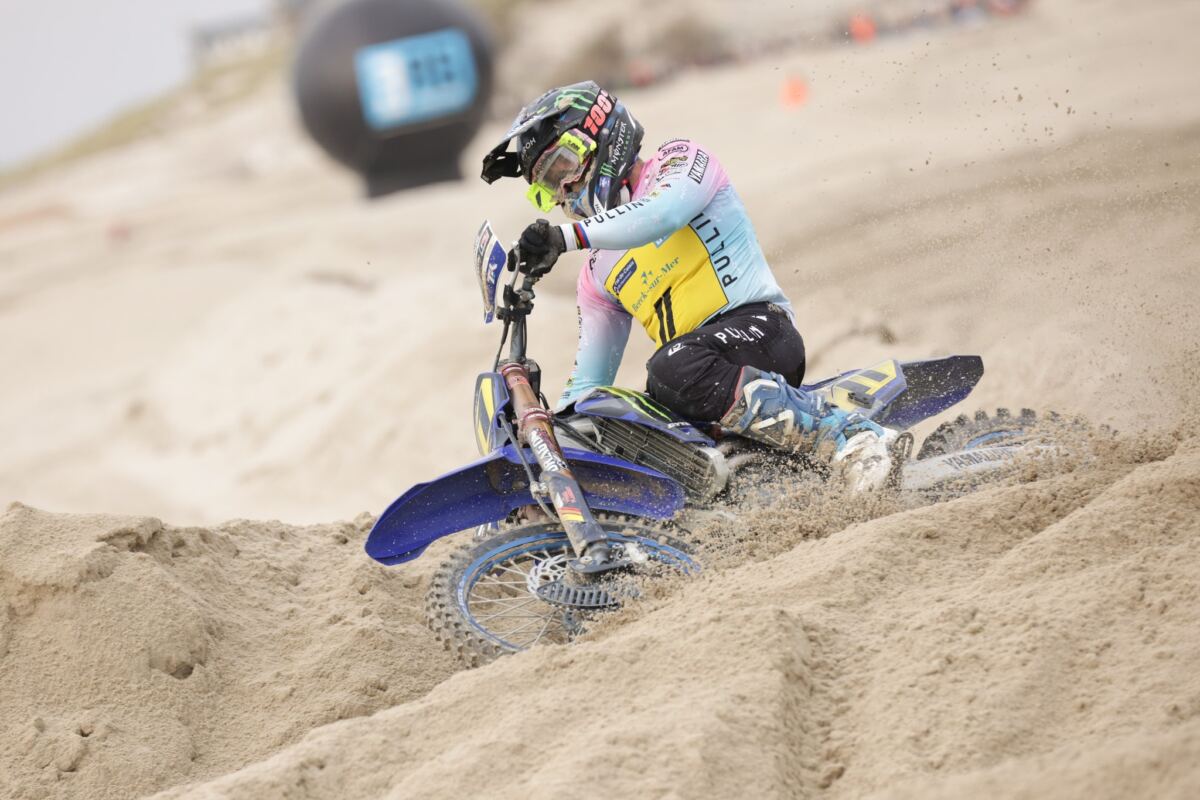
{"points": [[540, 124]]}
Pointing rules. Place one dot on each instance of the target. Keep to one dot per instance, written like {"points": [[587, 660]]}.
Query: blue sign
{"points": [[415, 79]]}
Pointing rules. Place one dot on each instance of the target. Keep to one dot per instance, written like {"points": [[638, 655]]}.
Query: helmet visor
{"points": [[559, 167]]}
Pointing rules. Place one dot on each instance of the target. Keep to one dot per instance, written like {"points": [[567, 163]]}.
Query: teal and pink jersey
{"points": [[679, 253]]}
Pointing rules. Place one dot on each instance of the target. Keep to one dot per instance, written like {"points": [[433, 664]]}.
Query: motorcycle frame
{"points": [[535, 428]]}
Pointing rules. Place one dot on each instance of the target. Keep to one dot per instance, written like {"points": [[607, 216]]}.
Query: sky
{"points": [[68, 65]]}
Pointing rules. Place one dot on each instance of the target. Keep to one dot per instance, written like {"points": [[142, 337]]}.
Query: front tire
{"points": [[482, 604]]}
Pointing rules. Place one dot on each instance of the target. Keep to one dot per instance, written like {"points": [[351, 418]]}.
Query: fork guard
{"points": [[489, 489]]}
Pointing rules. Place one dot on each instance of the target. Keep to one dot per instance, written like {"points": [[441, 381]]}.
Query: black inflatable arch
{"points": [[394, 89]]}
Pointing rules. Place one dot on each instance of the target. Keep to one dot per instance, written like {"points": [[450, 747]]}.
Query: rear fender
{"points": [[492, 487], [901, 395], [933, 386], [869, 391]]}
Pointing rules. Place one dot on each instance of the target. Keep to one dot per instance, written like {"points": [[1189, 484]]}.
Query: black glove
{"points": [[540, 244]]}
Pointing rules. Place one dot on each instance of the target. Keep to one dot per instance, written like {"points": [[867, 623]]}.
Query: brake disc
{"points": [[546, 571]]}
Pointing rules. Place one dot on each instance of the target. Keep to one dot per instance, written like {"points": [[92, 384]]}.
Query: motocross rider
{"points": [[670, 245]]}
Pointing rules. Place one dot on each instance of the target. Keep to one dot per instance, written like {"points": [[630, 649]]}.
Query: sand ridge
{"points": [[924, 651], [134, 654], [207, 325]]}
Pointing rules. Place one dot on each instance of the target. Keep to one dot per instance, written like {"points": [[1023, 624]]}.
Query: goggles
{"points": [[559, 167]]}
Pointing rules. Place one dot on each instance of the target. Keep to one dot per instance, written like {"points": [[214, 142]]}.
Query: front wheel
{"points": [[483, 601]]}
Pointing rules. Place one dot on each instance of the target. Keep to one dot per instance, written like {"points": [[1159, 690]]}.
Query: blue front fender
{"points": [[487, 491]]}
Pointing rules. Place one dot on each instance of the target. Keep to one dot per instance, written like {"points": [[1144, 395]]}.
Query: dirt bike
{"points": [[572, 510]]}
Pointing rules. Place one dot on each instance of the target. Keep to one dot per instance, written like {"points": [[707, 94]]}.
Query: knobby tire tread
{"points": [[954, 435]]}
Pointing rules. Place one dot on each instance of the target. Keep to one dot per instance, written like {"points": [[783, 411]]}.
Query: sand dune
{"points": [[943, 650], [135, 654], [1027, 640], [208, 325]]}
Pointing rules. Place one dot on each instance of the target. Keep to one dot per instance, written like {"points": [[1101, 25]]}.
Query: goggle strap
{"points": [[500, 164]]}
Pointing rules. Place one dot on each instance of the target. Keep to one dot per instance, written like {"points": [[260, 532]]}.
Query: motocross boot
{"points": [[769, 410]]}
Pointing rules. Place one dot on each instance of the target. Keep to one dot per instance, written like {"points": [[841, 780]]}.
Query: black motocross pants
{"points": [[695, 375]]}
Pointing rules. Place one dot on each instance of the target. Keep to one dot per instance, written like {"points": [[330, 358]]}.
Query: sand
{"points": [[135, 655], [210, 325]]}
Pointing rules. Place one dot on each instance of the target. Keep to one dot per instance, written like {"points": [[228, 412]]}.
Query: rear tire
{"points": [[965, 433]]}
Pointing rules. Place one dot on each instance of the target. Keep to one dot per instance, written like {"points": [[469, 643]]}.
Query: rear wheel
{"points": [[966, 433], [483, 601]]}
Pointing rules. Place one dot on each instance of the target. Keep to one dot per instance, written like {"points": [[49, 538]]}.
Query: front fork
{"points": [[536, 429]]}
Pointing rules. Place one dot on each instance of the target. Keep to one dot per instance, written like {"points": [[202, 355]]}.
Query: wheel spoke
{"points": [[521, 628], [511, 599], [510, 602], [502, 597], [510, 609], [530, 615], [549, 618], [507, 568]]}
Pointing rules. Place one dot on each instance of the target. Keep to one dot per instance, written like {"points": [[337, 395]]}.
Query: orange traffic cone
{"points": [[862, 27], [794, 93]]}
